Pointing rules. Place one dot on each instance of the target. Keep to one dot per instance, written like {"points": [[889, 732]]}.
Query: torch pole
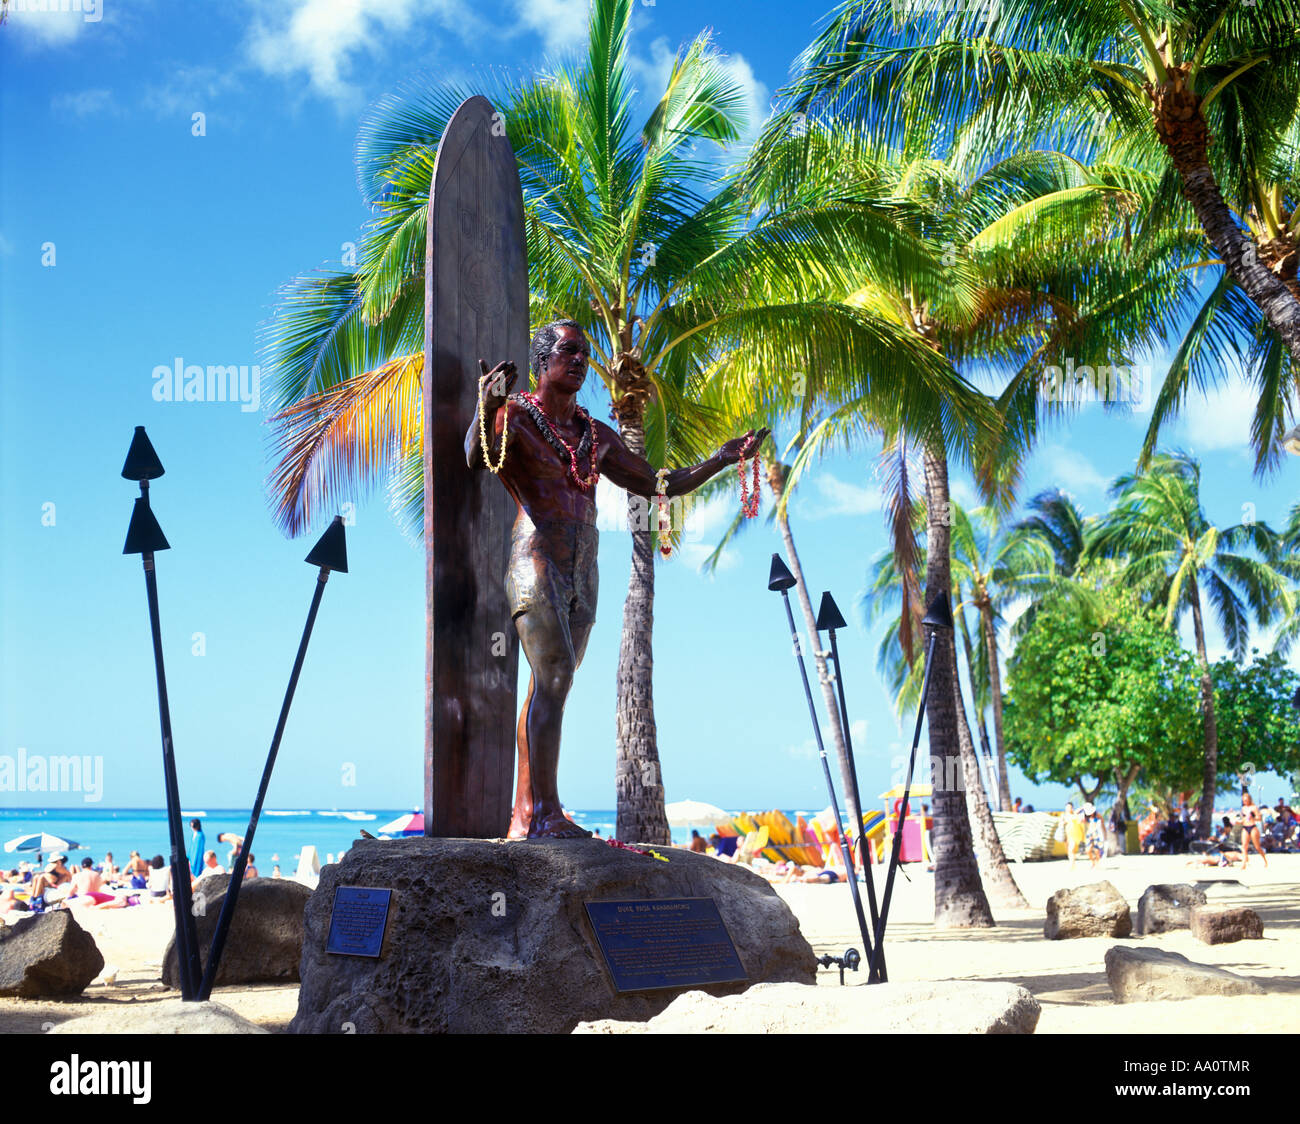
{"points": [[830, 785], [864, 857], [187, 939], [907, 796], [228, 906]]}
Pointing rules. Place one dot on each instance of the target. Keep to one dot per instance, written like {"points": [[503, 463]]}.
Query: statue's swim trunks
{"points": [[553, 565]]}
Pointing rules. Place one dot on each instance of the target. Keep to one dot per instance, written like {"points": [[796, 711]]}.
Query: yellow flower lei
{"points": [[661, 495], [482, 430]]}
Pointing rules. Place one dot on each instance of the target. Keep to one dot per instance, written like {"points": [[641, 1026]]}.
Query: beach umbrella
{"points": [[329, 554], [695, 813], [410, 824], [41, 842]]}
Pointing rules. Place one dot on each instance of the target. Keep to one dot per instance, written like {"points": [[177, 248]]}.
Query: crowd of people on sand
{"points": [[24, 890], [1249, 827], [1087, 834], [1261, 829]]}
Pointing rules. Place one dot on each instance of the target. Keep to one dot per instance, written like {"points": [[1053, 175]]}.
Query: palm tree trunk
{"points": [[995, 871], [995, 688], [1205, 817], [1181, 127], [959, 898], [776, 481], [638, 783], [986, 750]]}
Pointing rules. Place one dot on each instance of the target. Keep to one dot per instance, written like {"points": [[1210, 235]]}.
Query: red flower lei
{"points": [[552, 433], [748, 503]]}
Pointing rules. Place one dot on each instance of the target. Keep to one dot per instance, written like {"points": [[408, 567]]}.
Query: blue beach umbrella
{"points": [[40, 842]]}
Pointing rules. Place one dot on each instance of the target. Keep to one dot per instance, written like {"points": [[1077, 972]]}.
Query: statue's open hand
{"points": [[499, 381], [730, 452]]}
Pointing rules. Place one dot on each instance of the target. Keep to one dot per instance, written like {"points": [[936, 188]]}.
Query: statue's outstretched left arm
{"points": [[633, 473]]}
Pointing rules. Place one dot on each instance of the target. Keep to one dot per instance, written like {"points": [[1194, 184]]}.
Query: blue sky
{"points": [[135, 235]]}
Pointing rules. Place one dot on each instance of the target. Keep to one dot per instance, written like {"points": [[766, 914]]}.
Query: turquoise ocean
{"points": [[281, 832]]}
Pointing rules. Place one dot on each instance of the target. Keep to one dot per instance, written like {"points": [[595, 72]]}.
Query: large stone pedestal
{"points": [[488, 937]]}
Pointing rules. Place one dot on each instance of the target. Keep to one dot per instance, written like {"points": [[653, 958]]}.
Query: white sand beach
{"points": [[1067, 976]]}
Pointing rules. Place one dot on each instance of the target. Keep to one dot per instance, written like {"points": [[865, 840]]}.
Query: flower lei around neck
{"points": [[586, 447]]}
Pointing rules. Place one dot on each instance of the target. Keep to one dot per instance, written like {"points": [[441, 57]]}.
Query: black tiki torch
{"points": [[829, 618], [780, 581], [329, 553], [144, 537]]}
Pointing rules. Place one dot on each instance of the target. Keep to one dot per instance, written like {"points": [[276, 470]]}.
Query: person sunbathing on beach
{"points": [[53, 878], [88, 885], [108, 869]]}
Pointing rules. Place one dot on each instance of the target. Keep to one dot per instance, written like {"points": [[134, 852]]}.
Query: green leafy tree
{"points": [[1098, 694], [1259, 727], [1169, 550]]}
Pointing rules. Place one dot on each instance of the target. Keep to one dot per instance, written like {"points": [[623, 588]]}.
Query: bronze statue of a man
{"points": [[553, 452]]}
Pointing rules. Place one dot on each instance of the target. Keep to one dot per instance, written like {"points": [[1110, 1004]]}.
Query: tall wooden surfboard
{"points": [[476, 306]]}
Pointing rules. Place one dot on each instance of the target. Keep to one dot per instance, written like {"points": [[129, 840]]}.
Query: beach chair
{"points": [[754, 842], [873, 826], [308, 871]]}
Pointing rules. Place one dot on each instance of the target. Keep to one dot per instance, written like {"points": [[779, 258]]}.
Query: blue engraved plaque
{"points": [[358, 921], [664, 942]]}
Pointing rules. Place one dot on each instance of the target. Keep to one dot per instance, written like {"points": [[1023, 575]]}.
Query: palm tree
{"points": [[996, 567], [1226, 321], [1164, 72], [624, 239], [1009, 296], [1170, 550], [903, 668]]}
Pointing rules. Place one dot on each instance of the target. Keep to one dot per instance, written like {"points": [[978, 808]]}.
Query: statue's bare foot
{"points": [[552, 823]]}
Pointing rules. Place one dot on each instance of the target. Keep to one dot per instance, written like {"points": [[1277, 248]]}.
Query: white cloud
{"points": [[843, 498], [1219, 420], [322, 39], [705, 523], [807, 750], [611, 507], [6, 247], [1070, 470], [84, 103], [52, 23], [560, 23], [758, 97], [190, 89], [652, 73], [960, 491]]}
